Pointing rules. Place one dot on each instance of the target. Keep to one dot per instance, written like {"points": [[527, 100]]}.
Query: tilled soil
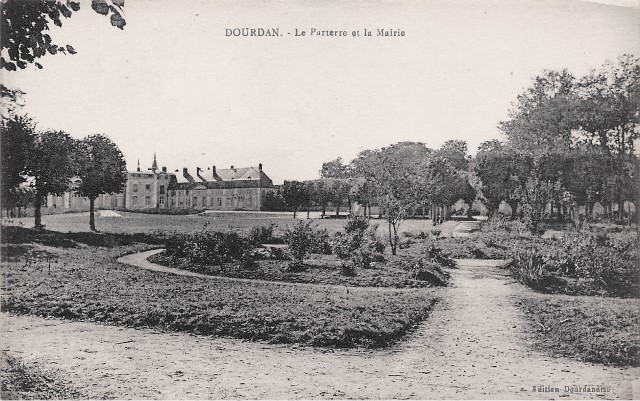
{"points": [[473, 346]]}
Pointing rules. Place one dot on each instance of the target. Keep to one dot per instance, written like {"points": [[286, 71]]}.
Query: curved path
{"points": [[140, 260], [473, 346]]}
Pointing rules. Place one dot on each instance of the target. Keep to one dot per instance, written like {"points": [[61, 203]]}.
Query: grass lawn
{"points": [[592, 329], [86, 283], [241, 222]]}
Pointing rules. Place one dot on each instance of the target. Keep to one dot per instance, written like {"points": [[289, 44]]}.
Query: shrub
{"points": [[320, 242], [437, 256], [425, 270], [357, 248], [300, 240], [207, 248], [586, 263], [263, 234], [356, 223]]}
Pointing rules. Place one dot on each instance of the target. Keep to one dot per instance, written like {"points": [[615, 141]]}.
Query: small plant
{"points": [[263, 234], [300, 240], [437, 256], [425, 270], [356, 223], [321, 242]]}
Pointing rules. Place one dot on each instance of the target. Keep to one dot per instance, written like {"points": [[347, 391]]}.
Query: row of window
{"points": [[198, 202], [147, 187]]}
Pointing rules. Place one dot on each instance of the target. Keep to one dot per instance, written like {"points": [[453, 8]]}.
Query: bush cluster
{"points": [[586, 263], [427, 270], [299, 238], [264, 234], [209, 248], [358, 246]]}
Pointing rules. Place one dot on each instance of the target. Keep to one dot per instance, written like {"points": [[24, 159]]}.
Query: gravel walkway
{"points": [[472, 347]]}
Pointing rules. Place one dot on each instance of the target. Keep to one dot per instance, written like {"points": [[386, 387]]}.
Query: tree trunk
{"points": [[433, 215], [324, 210], [514, 208], [391, 239], [295, 211], [37, 213], [337, 210], [307, 212], [92, 220]]}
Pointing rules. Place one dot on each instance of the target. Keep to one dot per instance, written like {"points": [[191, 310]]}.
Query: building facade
{"points": [[215, 189]]}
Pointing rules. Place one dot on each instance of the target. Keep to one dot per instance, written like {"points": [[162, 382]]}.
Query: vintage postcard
{"points": [[342, 199]]}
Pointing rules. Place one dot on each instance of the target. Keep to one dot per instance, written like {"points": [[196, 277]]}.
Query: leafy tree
{"points": [[321, 192], [295, 195], [274, 202], [340, 190], [17, 135], [334, 169], [102, 170], [610, 100], [542, 119], [361, 170], [52, 163], [455, 153], [534, 196], [25, 24], [400, 182], [501, 171]]}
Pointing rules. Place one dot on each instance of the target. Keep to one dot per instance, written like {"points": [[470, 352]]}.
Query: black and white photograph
{"points": [[334, 199]]}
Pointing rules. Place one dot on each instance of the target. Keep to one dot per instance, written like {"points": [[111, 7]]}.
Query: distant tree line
{"points": [[569, 143]]}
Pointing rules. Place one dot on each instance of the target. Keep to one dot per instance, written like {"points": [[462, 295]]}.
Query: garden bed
{"points": [[394, 272], [87, 284], [591, 329]]}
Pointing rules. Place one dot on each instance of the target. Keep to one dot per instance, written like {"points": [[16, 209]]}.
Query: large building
{"points": [[211, 188]]}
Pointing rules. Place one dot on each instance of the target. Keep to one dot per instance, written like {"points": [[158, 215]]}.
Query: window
{"points": [[147, 200], [211, 202], [219, 201], [204, 201], [173, 202], [162, 200], [147, 187], [135, 187], [162, 189], [195, 201], [134, 201]]}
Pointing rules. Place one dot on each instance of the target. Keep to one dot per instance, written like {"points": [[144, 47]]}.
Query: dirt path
{"points": [[473, 346]]}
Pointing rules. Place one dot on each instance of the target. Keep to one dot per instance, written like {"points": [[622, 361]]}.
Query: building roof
{"points": [[245, 173]]}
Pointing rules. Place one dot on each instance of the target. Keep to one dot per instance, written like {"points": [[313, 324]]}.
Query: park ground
{"points": [[477, 343]]}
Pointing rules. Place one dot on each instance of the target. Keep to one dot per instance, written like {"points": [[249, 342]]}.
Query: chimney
{"points": [[260, 166], [214, 170], [184, 171], [232, 167], [198, 169], [164, 169]]}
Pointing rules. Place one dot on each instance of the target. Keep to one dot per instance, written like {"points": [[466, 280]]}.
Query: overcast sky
{"points": [[172, 83]]}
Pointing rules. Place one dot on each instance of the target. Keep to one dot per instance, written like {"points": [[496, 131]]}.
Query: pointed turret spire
{"points": [[138, 165], [154, 166]]}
